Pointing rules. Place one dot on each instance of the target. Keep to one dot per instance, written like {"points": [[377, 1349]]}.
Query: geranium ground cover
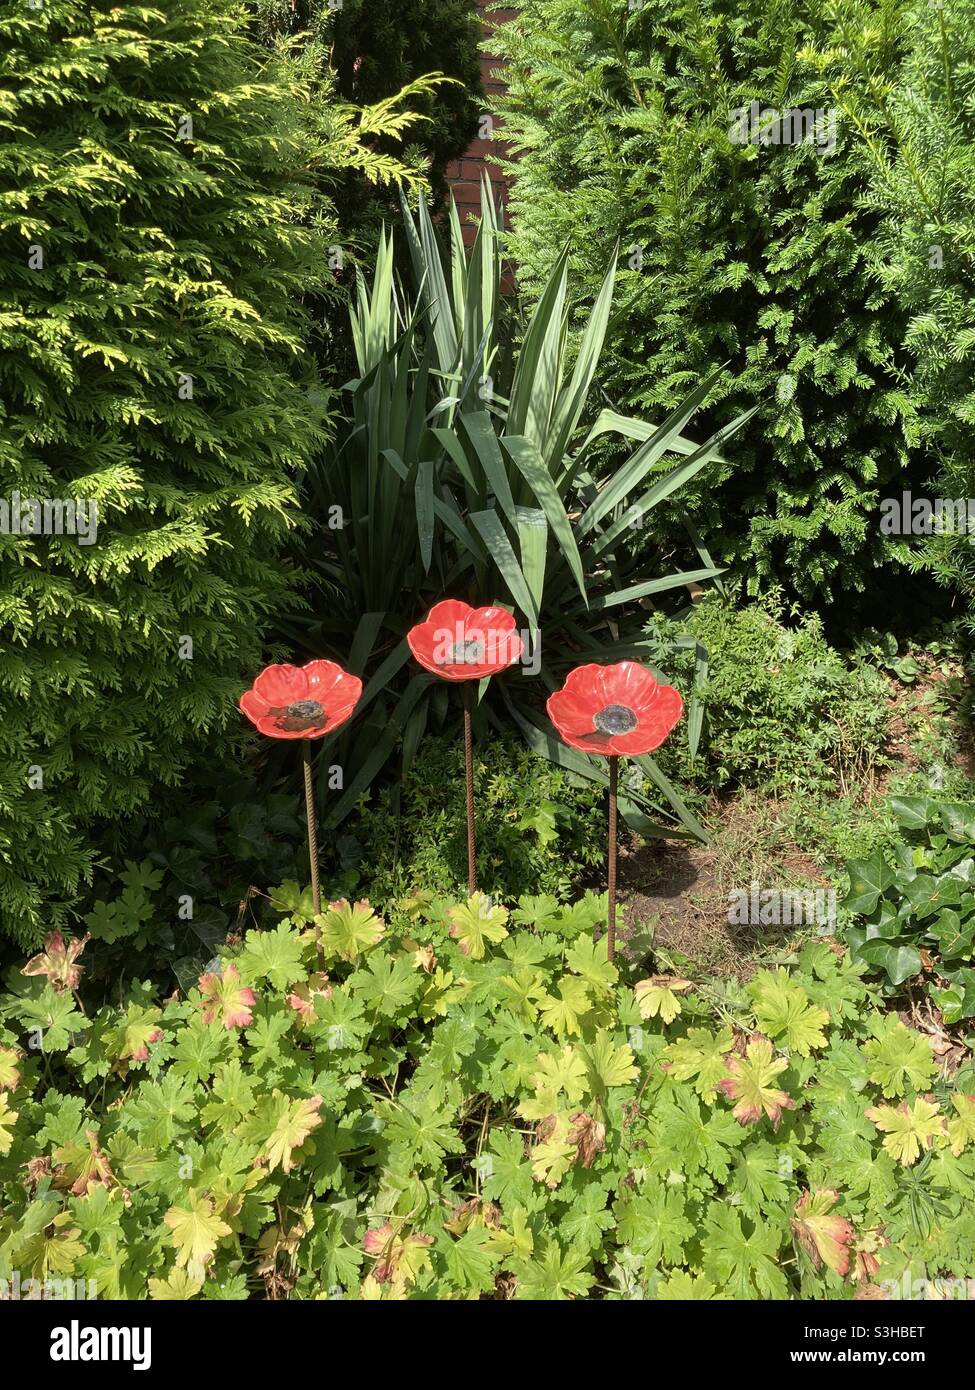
{"points": [[472, 1102]]}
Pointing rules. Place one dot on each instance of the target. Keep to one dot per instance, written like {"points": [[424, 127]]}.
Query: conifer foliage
{"points": [[659, 124], [156, 235]]}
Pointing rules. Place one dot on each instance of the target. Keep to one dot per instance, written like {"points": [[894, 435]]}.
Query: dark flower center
{"points": [[615, 719], [305, 709], [467, 653], [303, 714]]}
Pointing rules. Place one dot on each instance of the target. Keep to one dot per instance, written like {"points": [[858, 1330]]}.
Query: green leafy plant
{"points": [[539, 827], [474, 1103], [883, 649], [782, 710], [917, 905], [461, 472]]}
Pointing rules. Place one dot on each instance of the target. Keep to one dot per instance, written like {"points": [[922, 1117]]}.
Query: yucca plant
{"points": [[467, 475]]}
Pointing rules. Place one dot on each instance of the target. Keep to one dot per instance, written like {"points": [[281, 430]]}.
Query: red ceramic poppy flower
{"points": [[301, 701], [460, 643], [617, 709]]}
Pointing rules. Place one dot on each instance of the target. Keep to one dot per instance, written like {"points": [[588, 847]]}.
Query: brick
{"points": [[464, 174]]}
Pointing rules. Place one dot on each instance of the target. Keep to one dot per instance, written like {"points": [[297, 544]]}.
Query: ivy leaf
{"points": [[961, 1127], [474, 923], [869, 878], [899, 1058], [908, 1129], [699, 1057], [954, 937], [928, 894], [273, 955], [784, 1012], [749, 1083], [196, 1231], [225, 1000], [900, 960], [825, 1236], [349, 931], [912, 812], [657, 995]]}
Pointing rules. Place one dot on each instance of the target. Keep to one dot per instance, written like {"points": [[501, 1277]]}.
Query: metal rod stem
{"points": [[614, 767], [469, 773], [316, 892]]}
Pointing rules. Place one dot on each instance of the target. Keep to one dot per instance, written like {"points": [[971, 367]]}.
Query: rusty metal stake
{"points": [[316, 892], [614, 767], [469, 771]]}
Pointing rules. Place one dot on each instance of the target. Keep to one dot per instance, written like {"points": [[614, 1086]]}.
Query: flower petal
{"points": [[251, 704], [449, 612], [585, 683], [596, 742], [281, 685], [321, 677], [627, 683], [569, 713], [656, 721], [269, 727], [493, 619]]}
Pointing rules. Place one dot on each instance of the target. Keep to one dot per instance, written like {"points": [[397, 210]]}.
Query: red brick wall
{"points": [[464, 174]]}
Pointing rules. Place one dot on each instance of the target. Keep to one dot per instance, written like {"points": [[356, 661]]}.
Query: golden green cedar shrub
{"points": [[156, 236]]}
